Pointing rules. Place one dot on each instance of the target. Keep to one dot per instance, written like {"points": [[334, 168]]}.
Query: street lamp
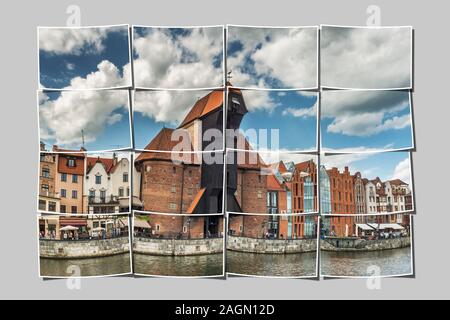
{"points": [[189, 228]]}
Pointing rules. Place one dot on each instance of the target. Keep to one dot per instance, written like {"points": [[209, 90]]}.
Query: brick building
{"points": [[69, 180], [342, 191], [49, 198]]}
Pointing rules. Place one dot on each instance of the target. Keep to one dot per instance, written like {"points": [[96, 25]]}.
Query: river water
{"points": [[181, 266], [391, 262], [117, 264], [276, 265]]}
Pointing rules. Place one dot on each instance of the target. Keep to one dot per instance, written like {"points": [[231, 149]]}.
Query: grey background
{"points": [[18, 256]]}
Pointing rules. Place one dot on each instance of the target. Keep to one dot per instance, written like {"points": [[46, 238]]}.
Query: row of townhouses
{"points": [[72, 182], [192, 186]]}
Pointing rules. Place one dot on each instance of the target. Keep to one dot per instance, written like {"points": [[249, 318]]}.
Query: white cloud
{"points": [[258, 100], [366, 58], [106, 76], [367, 124], [166, 106], [62, 119], [287, 55], [72, 41], [403, 171], [70, 66], [365, 113], [182, 61], [301, 112]]}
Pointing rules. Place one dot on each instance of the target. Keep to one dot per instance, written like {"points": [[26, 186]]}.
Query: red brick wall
{"points": [[165, 183], [251, 191]]}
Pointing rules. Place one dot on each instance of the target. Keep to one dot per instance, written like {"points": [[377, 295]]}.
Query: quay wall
{"points": [[177, 247], [271, 246]]}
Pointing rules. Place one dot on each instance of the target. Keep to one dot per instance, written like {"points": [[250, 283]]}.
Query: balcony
{"points": [[48, 194], [113, 200]]}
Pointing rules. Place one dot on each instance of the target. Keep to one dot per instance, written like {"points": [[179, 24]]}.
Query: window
{"points": [[98, 179], [42, 204], [125, 177], [74, 178], [172, 206], [62, 208], [92, 193], [173, 189], [45, 188], [46, 172], [42, 157], [157, 227], [259, 193], [74, 209], [74, 194], [184, 229], [71, 163], [102, 194], [120, 192], [63, 177], [128, 191], [63, 193], [52, 206]]}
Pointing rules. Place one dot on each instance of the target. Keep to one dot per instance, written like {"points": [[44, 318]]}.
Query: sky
{"points": [[366, 58], [385, 165], [276, 58], [154, 110], [178, 57], [360, 120], [69, 56], [292, 113], [102, 115]]}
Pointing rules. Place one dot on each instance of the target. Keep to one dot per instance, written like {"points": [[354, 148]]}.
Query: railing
{"points": [[271, 237], [48, 194], [103, 200], [174, 236], [87, 237]]}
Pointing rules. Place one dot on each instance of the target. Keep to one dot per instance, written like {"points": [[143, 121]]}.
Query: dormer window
{"points": [[98, 179], [71, 163]]}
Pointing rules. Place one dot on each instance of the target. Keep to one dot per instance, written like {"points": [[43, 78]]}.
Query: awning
{"points": [[384, 226], [137, 223], [76, 222], [364, 227]]}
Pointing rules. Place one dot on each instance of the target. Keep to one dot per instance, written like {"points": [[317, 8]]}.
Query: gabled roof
{"points": [[273, 184], [73, 153], [397, 182], [282, 168], [107, 163], [209, 103], [304, 166], [162, 142], [63, 165]]}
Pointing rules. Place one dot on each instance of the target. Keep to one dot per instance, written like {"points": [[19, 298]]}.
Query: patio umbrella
{"points": [[98, 229], [68, 228]]}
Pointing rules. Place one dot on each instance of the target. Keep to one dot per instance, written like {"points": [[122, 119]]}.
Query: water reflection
{"points": [[117, 264], [390, 262], [276, 265], [181, 266]]}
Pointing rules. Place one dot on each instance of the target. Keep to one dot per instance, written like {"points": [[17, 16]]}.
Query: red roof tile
{"points": [[107, 163], [163, 142], [212, 101], [273, 184]]}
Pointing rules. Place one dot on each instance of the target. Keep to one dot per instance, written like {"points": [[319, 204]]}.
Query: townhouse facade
{"points": [[107, 185], [48, 198]]}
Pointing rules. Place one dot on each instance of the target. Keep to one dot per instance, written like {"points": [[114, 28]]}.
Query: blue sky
{"points": [[281, 111], [273, 58], [365, 120], [68, 53], [386, 165], [102, 115], [178, 57]]}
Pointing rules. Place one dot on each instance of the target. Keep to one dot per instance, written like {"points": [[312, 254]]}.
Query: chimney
{"points": [[114, 159]]}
